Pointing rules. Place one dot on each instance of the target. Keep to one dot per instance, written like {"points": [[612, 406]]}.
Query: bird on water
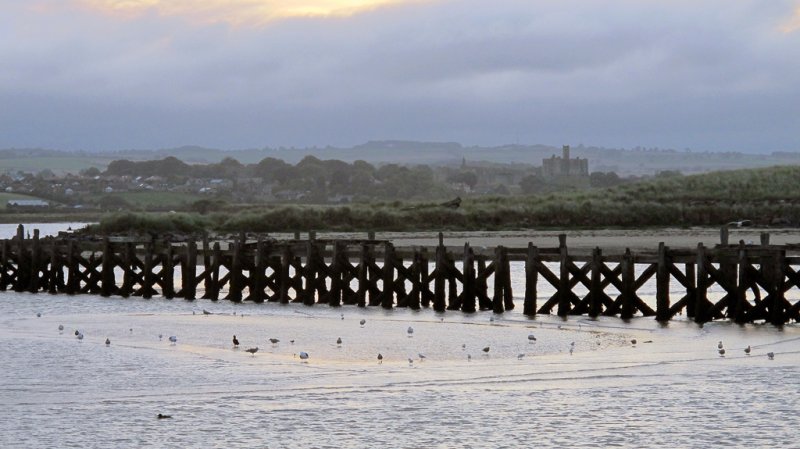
{"points": [[252, 351], [421, 357], [339, 341], [747, 350], [235, 341], [274, 341], [77, 332], [380, 358], [721, 352], [303, 355], [173, 339], [719, 345], [80, 336], [108, 342], [486, 350], [531, 338], [410, 331], [60, 327], [362, 322], [633, 341], [160, 416], [771, 355]]}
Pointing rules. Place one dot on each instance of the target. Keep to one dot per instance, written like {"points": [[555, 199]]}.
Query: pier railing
{"points": [[754, 279]]}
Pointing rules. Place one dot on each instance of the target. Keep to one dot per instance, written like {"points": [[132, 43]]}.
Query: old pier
{"points": [[755, 279]]}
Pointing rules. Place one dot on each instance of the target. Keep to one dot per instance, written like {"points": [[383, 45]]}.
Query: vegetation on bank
{"points": [[765, 196]]}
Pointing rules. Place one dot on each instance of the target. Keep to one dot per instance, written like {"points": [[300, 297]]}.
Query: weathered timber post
{"points": [[206, 267], [258, 279], [363, 275], [508, 296], [701, 292], [564, 290], [128, 280], [764, 239], [482, 286], [168, 273], [337, 271], [531, 280], [213, 287], [23, 267], [596, 285], [628, 285], [691, 289], [416, 281], [285, 279], [189, 272], [55, 267], [147, 288], [33, 285], [387, 297], [424, 277], [468, 290], [73, 281], [499, 280], [441, 276], [108, 283], [777, 306], [235, 275], [662, 284], [723, 235], [5, 278], [309, 292], [736, 307]]}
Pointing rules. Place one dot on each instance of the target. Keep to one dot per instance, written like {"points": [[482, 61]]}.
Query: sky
{"points": [[711, 75]]}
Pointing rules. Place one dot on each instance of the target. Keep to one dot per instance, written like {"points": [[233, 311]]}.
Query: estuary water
{"points": [[581, 383]]}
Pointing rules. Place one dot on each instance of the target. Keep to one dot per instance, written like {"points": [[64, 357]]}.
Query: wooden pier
{"points": [[755, 279]]}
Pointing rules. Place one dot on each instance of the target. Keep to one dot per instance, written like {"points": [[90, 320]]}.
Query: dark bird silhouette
{"points": [[206, 312], [108, 342], [633, 341], [719, 345], [60, 327], [160, 416], [721, 352], [235, 341], [77, 332], [362, 322], [380, 358], [747, 350], [252, 351], [339, 341], [486, 350], [274, 341], [531, 338], [771, 355], [303, 355]]}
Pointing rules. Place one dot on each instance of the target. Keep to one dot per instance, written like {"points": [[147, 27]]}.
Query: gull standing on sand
{"points": [[380, 358], [235, 341], [747, 350], [410, 331], [252, 351], [108, 342], [303, 355], [771, 355], [486, 350], [719, 345], [80, 336], [410, 361], [421, 357], [339, 341], [362, 322], [173, 339], [61, 328], [274, 341], [531, 338], [721, 352]]}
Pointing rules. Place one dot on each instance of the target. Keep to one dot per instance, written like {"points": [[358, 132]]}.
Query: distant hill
{"points": [[625, 162]]}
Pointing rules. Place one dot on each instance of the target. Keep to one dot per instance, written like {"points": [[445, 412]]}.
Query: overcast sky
{"points": [[711, 75]]}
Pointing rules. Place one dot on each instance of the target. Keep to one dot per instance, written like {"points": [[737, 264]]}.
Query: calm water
{"points": [[671, 389], [677, 391]]}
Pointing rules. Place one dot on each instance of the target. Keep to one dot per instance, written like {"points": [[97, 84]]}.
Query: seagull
{"points": [[463, 346], [160, 416], [380, 358], [721, 352], [571, 350], [274, 341], [339, 341], [633, 341], [469, 358], [410, 361], [531, 338], [206, 312], [235, 341], [252, 351], [131, 329], [291, 341], [421, 357], [173, 339], [747, 350], [160, 336], [486, 350], [38, 314], [362, 322], [77, 332], [303, 355], [719, 346], [108, 342], [771, 355], [80, 336], [60, 327], [520, 356], [410, 331]]}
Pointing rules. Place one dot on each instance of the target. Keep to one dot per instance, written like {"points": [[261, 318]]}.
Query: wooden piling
{"points": [[531, 280], [564, 289], [701, 291], [387, 297], [108, 281], [628, 285], [499, 281], [662, 284], [596, 287], [468, 271], [189, 272]]}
